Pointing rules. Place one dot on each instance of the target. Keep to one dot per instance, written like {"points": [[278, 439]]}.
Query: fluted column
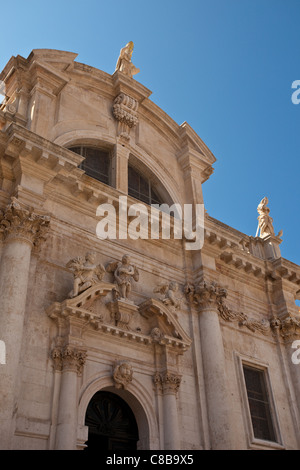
{"points": [[21, 228], [69, 361], [213, 358], [169, 383]]}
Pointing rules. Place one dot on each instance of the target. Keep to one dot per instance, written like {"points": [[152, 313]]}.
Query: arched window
{"points": [[141, 187], [96, 163]]}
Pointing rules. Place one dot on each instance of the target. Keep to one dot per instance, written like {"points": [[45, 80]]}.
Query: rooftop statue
{"points": [[265, 222], [124, 63]]}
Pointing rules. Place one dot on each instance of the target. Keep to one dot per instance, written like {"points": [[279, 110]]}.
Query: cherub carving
{"points": [[169, 291], [122, 374], [123, 273], [86, 273]]}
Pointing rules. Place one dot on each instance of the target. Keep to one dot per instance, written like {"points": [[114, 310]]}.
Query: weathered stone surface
{"points": [[166, 329]]}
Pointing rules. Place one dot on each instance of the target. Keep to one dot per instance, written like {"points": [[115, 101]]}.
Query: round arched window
{"points": [[96, 163], [141, 187]]}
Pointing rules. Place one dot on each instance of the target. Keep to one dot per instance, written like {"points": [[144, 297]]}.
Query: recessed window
{"points": [[140, 187], [96, 163], [259, 403]]}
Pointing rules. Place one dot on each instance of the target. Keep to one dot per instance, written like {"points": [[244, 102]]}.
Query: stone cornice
{"points": [[56, 68], [191, 141], [228, 245], [130, 87], [49, 79], [22, 141]]}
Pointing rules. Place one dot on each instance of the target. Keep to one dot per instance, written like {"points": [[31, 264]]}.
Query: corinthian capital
{"points": [[68, 358], [208, 293], [20, 221], [288, 327], [167, 382]]}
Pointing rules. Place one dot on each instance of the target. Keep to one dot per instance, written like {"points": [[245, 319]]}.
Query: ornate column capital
{"points": [[209, 294], [288, 327], [68, 358], [22, 222], [167, 382]]}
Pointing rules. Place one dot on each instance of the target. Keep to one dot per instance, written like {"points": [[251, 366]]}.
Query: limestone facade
{"points": [[172, 346]]}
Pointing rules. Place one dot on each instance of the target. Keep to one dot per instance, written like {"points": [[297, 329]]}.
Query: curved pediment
{"points": [[82, 305]]}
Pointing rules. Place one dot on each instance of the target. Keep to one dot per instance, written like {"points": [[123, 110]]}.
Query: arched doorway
{"points": [[111, 423]]}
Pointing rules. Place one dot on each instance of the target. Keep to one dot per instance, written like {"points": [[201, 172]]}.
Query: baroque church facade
{"points": [[130, 342]]}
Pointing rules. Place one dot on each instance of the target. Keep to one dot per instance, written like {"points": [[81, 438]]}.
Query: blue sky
{"points": [[224, 66]]}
